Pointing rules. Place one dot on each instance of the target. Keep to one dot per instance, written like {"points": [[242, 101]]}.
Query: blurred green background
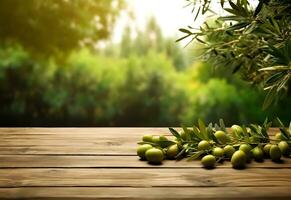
{"points": [[59, 66]]}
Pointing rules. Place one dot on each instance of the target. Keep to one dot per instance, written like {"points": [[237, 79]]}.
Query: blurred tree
{"points": [[152, 39], [50, 26], [252, 37]]}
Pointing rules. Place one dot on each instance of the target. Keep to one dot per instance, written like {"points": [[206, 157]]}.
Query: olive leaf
{"points": [[222, 125], [203, 130], [175, 133], [253, 41], [196, 155]]}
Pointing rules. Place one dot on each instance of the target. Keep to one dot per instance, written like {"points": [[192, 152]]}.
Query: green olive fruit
{"points": [[141, 150], [172, 151], [275, 153], [279, 136], [266, 149], [228, 151], [258, 154], [208, 161], [147, 138], [183, 135], [239, 159], [155, 139], [154, 155], [284, 147], [221, 137], [203, 145], [217, 152], [163, 138], [236, 129], [246, 148]]}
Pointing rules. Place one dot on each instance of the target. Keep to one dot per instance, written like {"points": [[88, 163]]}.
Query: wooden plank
{"points": [[73, 141], [122, 177], [41, 161], [77, 133], [88, 132], [86, 193], [70, 150]]}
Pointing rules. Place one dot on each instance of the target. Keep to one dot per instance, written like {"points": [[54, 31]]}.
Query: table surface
{"points": [[101, 163]]}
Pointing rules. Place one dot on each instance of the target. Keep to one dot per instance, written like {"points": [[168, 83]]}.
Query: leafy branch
{"points": [[252, 40]]}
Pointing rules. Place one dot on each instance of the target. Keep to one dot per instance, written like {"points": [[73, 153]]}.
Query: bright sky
{"points": [[170, 15]]}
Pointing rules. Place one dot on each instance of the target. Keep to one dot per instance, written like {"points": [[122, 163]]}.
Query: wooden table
{"points": [[101, 163]]}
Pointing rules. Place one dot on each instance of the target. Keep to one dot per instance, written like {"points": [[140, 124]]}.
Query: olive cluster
{"points": [[157, 148]]}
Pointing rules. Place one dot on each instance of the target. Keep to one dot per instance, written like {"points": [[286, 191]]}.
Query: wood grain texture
{"points": [[156, 193], [101, 163], [106, 177], [74, 141], [52, 161]]}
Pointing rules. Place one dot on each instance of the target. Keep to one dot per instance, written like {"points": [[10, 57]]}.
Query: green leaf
{"points": [[197, 14], [181, 153], [196, 155], [237, 67], [175, 133], [222, 125], [259, 8], [151, 143], [238, 26], [270, 97], [222, 3], [182, 38], [187, 132], [275, 68], [185, 31], [203, 129], [197, 133], [165, 143]]}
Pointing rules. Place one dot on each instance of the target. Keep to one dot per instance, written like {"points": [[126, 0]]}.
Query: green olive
{"points": [[236, 129], [246, 148], [266, 149], [275, 153], [147, 138], [208, 161], [217, 152], [284, 147], [141, 150], [279, 136], [239, 159], [154, 155], [258, 154], [163, 138], [228, 151], [204, 145], [221, 137], [155, 139], [172, 151]]}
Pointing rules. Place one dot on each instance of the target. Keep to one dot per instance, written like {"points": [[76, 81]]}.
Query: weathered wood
{"points": [[52, 161], [156, 193], [106, 177], [101, 163], [74, 141]]}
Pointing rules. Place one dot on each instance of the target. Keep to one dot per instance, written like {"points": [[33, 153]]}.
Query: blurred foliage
{"points": [[57, 26], [146, 80], [252, 37], [91, 89]]}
